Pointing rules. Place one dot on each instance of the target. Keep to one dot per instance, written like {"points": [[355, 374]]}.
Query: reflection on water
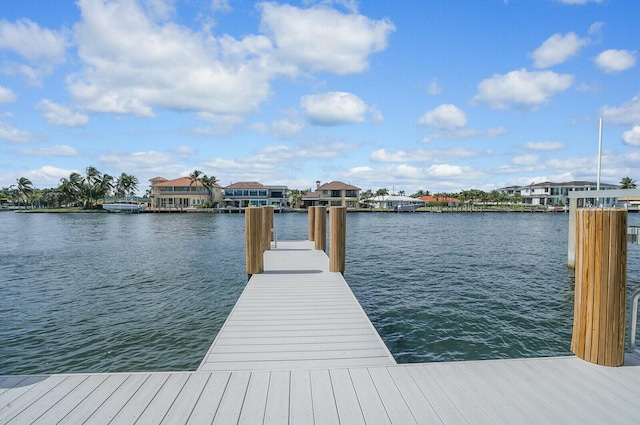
{"points": [[106, 292]]}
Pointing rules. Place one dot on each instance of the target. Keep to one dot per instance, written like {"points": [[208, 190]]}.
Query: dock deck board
{"points": [[296, 315], [311, 356]]}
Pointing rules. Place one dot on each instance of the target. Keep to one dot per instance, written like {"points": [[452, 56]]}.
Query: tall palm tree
{"points": [[24, 189], [194, 178], [92, 175], [380, 193], [104, 186], [209, 183], [71, 188], [126, 185], [627, 183]]}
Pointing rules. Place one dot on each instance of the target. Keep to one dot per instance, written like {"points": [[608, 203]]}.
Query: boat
{"points": [[126, 206]]}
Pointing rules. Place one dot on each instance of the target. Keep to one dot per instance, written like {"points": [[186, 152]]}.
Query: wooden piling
{"points": [[320, 228], [337, 238], [254, 223], [311, 212], [267, 231], [600, 291]]}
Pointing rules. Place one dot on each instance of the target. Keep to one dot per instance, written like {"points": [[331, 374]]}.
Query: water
{"points": [[109, 293]]}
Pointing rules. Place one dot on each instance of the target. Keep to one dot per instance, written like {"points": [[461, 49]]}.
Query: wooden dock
{"points": [[298, 349]]}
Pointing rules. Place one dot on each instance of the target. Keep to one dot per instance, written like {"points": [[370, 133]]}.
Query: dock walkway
{"points": [[279, 359]]}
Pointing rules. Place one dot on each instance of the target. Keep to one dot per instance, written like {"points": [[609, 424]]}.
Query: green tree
{"points": [[126, 185], [209, 183], [24, 190], [627, 183], [92, 175], [71, 188]]}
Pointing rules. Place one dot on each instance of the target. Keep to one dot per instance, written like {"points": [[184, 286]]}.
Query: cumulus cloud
{"points": [[445, 116], [545, 146], [58, 150], [426, 155], [521, 89], [14, 135], [323, 39], [557, 49], [7, 95], [61, 115], [525, 160], [333, 108], [42, 49], [632, 137], [612, 61], [434, 88], [626, 114], [286, 128]]}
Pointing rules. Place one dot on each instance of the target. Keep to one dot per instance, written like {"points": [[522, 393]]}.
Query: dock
{"points": [[297, 348]]}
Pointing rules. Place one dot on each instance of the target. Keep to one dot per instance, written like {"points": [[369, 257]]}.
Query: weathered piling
{"points": [[601, 282], [254, 243], [267, 230], [311, 212], [337, 238], [320, 228]]}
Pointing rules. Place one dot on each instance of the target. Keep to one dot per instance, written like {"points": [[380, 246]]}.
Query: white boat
{"points": [[124, 206]]}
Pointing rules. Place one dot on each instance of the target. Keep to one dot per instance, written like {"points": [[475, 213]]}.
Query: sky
{"points": [[411, 95]]}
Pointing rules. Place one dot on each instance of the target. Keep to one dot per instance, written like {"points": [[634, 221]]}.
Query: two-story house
{"points": [[182, 193], [333, 194], [245, 194]]}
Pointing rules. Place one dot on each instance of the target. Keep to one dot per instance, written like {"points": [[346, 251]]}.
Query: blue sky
{"points": [[441, 96]]}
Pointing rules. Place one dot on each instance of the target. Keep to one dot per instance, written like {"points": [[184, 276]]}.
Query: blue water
{"points": [[107, 292]]}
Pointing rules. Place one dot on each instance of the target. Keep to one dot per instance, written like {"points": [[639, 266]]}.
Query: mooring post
{"points": [[571, 251], [311, 212], [599, 318], [267, 230], [320, 228], [337, 238], [254, 223]]}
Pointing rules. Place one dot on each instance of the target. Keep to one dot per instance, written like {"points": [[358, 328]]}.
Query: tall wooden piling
{"points": [[601, 282], [337, 238], [254, 224], [320, 228], [267, 230], [311, 212]]}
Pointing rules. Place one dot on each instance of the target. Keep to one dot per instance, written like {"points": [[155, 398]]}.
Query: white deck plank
{"points": [[420, 406], [208, 403], [301, 400], [117, 399], [277, 408], [255, 400], [26, 396], [232, 399], [48, 400], [186, 400], [325, 411], [23, 385], [68, 402], [295, 364], [349, 411], [139, 402], [164, 398], [394, 403], [370, 403]]}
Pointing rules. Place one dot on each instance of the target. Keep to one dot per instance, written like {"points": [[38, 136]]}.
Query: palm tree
{"points": [[126, 185], [92, 175], [24, 189], [380, 193], [627, 183], [71, 188], [209, 183]]}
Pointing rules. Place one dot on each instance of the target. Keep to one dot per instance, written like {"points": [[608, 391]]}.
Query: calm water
{"points": [[106, 292]]}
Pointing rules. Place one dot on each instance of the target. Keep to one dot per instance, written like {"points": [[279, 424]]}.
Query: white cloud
{"points": [[545, 146], [15, 135], [632, 137], [434, 88], [224, 123], [323, 39], [58, 150], [286, 128], [185, 151], [221, 6], [525, 160], [612, 61], [259, 127], [626, 114], [333, 108], [464, 133], [521, 89], [61, 115], [557, 49], [445, 170], [425, 155], [42, 48], [7, 95], [445, 116]]}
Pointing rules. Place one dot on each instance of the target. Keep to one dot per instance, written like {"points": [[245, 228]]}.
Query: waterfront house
{"points": [[549, 193], [431, 200], [181, 193], [245, 194], [395, 202], [333, 194]]}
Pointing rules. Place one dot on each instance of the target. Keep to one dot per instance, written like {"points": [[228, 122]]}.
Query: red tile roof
{"points": [[439, 199], [180, 181]]}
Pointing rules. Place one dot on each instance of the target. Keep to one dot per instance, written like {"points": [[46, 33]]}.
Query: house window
{"points": [[228, 192], [275, 194], [237, 193], [336, 203], [336, 193], [351, 193], [253, 193]]}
